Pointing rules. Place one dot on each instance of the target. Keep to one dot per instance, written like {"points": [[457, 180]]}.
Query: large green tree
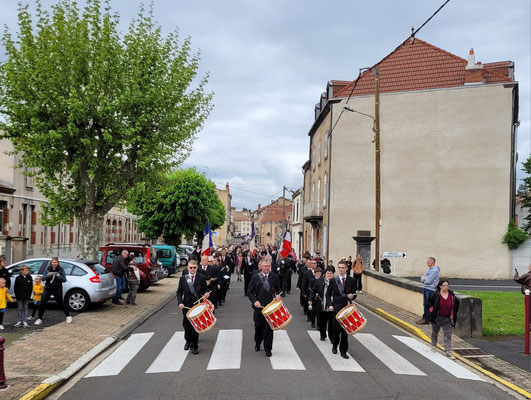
{"points": [[525, 193], [94, 112], [177, 204]]}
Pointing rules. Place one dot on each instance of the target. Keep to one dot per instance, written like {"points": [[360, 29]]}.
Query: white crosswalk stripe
{"points": [[172, 356], [394, 361], [117, 361], [336, 363], [227, 353], [451, 366], [284, 354]]}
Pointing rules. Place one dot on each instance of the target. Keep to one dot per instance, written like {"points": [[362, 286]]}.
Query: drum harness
{"points": [[191, 285]]}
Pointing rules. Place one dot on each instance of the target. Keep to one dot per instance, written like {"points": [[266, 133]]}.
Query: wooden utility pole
{"points": [[377, 166], [283, 213]]}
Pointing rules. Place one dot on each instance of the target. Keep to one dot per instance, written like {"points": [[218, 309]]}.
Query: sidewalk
{"points": [[29, 362], [464, 350]]}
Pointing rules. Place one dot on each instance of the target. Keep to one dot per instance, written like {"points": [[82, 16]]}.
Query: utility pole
{"points": [[377, 166], [283, 214], [271, 223]]}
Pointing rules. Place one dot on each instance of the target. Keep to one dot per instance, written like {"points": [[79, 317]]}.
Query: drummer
{"points": [[340, 293], [263, 289], [192, 287]]}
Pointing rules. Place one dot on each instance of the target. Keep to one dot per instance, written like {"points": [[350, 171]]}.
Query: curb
{"points": [[53, 382], [416, 331]]}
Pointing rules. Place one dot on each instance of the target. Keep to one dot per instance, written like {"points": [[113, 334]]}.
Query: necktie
{"points": [[343, 281], [193, 276], [265, 277]]}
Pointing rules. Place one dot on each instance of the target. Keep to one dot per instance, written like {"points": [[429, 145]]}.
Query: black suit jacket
{"points": [[306, 279], [257, 290], [185, 296], [247, 268], [211, 273], [302, 270], [333, 294]]}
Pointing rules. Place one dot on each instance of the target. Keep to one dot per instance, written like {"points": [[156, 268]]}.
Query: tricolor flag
{"points": [[252, 244], [207, 241], [286, 243]]}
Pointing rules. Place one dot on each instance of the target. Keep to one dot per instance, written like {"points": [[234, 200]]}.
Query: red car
{"points": [[145, 259]]}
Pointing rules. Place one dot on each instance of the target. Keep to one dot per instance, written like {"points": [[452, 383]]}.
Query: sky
{"points": [[269, 61]]}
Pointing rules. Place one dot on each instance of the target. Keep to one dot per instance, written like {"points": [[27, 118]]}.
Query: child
{"points": [[23, 289], [133, 280], [37, 294], [4, 298]]}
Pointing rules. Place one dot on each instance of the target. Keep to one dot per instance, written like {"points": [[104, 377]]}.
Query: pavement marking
{"points": [[227, 353], [172, 356], [284, 354], [396, 363], [336, 362], [117, 361], [444, 362]]}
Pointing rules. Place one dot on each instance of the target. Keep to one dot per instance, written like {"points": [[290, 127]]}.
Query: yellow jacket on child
{"points": [[4, 296], [37, 292]]}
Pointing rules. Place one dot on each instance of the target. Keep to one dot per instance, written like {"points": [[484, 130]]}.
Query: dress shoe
{"points": [[323, 339], [195, 350], [422, 322], [268, 353], [257, 347], [187, 346], [334, 350], [313, 325], [344, 355]]}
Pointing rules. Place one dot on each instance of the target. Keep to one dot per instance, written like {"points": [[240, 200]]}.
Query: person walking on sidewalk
{"points": [[119, 268], [358, 271], [525, 281], [37, 295], [4, 273], [4, 298], [23, 288], [133, 281], [430, 280], [54, 277], [443, 308]]}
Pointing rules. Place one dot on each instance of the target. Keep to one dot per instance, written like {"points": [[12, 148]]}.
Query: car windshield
{"points": [[112, 254], [98, 268], [163, 253]]}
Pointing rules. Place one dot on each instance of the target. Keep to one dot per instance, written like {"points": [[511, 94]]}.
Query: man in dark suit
{"points": [[263, 288], [303, 267], [318, 302], [305, 289], [247, 270], [192, 286], [340, 293], [314, 298], [211, 274]]}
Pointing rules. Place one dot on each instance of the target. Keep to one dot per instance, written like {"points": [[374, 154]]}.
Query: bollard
{"points": [[527, 321], [3, 384]]}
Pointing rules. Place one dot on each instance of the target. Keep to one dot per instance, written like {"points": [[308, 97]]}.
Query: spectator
{"points": [[358, 271], [443, 308], [37, 295], [349, 264], [386, 266], [4, 298], [23, 289], [133, 280], [430, 279], [4, 273], [525, 281], [53, 277], [119, 268]]}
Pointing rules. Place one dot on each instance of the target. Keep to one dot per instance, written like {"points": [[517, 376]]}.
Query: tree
{"points": [[178, 204], [525, 193], [94, 113]]}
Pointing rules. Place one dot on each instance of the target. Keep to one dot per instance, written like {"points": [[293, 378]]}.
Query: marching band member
{"points": [[314, 299], [192, 287], [211, 274], [306, 279], [263, 289], [325, 317]]}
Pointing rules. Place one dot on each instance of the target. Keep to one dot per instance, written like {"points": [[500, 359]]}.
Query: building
{"points": [[242, 226], [225, 232], [447, 140], [297, 223], [22, 234], [270, 221]]}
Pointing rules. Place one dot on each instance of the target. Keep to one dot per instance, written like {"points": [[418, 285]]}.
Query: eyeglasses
{"points": [[192, 267]]}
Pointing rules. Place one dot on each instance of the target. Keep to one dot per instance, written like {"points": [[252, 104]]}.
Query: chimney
{"points": [[227, 187], [474, 70]]}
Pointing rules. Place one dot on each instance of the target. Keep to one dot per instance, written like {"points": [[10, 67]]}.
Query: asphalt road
{"points": [[382, 366]]}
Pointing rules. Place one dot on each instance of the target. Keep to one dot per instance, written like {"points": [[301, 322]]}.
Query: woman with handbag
{"points": [[443, 308]]}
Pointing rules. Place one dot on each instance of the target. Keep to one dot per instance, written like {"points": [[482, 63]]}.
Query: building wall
{"points": [[224, 234], [445, 179], [297, 223]]}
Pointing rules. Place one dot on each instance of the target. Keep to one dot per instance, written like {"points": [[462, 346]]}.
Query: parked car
{"points": [[145, 259], [87, 282], [168, 256], [187, 248]]}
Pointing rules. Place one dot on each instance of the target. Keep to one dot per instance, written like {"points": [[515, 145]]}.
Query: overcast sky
{"points": [[270, 60]]}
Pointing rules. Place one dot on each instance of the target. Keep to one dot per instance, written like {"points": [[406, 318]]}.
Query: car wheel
{"points": [[77, 300], [184, 262], [142, 287], [166, 272]]}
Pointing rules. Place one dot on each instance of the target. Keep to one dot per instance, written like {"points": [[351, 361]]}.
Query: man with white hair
{"points": [[525, 281]]}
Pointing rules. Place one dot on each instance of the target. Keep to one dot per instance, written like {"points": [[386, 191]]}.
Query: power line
{"points": [[248, 191]]}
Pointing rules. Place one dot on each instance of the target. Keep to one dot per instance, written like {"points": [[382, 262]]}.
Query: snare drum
{"points": [[201, 318], [351, 319], [209, 304], [276, 314]]}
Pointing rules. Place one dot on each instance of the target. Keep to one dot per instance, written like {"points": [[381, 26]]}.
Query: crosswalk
{"points": [[228, 349]]}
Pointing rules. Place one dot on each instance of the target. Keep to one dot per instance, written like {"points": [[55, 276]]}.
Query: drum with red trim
{"points": [[201, 318], [209, 304], [351, 319], [276, 314]]}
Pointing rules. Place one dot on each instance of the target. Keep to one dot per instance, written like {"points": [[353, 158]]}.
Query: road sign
{"points": [[394, 254]]}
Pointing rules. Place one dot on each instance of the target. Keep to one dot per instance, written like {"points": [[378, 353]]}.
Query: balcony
{"points": [[313, 213]]}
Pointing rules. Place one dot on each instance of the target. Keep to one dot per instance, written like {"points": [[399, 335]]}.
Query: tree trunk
{"points": [[90, 235]]}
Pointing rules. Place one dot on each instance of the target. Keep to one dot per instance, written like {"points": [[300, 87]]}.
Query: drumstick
{"points": [[198, 300]]}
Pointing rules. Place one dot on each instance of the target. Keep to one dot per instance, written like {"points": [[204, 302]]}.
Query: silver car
{"points": [[86, 281]]}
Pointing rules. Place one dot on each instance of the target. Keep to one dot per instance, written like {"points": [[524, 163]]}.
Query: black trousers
{"points": [[289, 282], [57, 293], [357, 282], [214, 295], [312, 314], [262, 331], [190, 335], [284, 284], [246, 280], [340, 336], [304, 302], [325, 320]]}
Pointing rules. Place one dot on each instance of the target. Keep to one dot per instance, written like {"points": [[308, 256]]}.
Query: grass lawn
{"points": [[503, 312]]}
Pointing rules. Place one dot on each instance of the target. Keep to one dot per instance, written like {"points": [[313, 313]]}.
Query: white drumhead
{"points": [[345, 312], [197, 310], [270, 307]]}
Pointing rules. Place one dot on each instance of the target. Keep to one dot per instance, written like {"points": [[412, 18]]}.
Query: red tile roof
{"points": [[418, 65]]}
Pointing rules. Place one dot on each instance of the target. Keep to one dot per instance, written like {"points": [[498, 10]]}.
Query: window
{"points": [[319, 153], [67, 267], [313, 192], [324, 190], [76, 271], [28, 178], [24, 219], [318, 193], [163, 253], [313, 158], [297, 213], [3, 206], [34, 268], [326, 147]]}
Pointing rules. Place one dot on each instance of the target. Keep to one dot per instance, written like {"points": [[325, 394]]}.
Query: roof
{"points": [[7, 188], [419, 65]]}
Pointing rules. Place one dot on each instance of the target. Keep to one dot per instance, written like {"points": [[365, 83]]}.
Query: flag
{"points": [[252, 244], [286, 243], [207, 241]]}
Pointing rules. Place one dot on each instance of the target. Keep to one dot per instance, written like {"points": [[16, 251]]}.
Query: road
{"points": [[385, 363]]}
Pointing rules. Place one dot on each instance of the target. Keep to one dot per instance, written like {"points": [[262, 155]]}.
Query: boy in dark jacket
{"points": [[23, 289]]}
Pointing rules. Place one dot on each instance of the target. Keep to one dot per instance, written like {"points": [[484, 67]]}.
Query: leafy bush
{"points": [[514, 236]]}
